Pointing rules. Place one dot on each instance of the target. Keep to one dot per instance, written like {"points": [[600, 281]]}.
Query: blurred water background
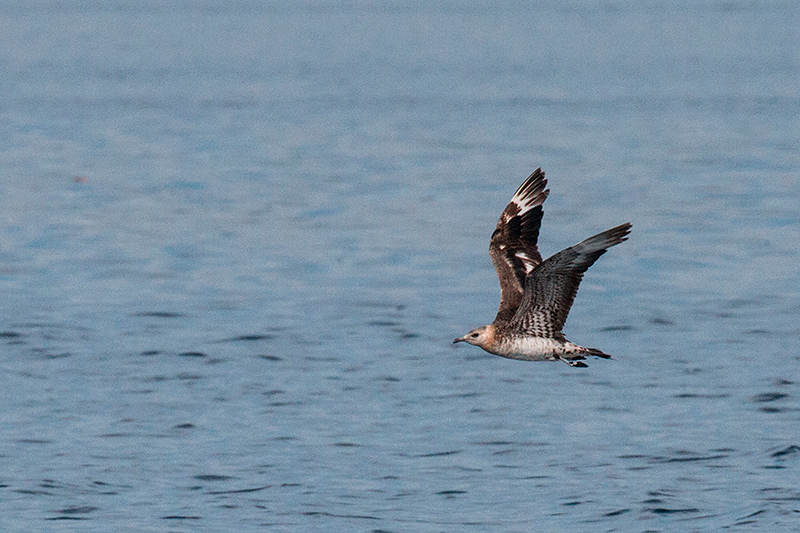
{"points": [[237, 239]]}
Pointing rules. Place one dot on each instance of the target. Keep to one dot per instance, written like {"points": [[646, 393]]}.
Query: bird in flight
{"points": [[536, 295]]}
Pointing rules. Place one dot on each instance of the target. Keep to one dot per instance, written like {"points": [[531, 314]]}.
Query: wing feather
{"points": [[513, 246], [551, 287]]}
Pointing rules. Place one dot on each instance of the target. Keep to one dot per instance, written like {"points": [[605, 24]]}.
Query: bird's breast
{"points": [[529, 348]]}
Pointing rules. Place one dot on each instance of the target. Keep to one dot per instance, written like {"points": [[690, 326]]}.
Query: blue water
{"points": [[238, 238]]}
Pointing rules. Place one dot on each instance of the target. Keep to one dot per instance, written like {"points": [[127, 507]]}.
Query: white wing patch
{"points": [[527, 261], [527, 200], [524, 204]]}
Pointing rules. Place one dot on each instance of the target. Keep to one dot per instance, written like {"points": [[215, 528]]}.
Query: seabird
{"points": [[536, 295]]}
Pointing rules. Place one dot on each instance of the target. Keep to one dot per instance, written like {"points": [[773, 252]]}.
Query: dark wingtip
{"points": [[624, 231], [533, 185], [598, 244]]}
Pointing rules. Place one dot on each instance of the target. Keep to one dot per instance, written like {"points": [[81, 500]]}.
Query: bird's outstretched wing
{"points": [[551, 287], [513, 245]]}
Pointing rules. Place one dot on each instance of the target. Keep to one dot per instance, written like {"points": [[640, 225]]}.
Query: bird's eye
{"points": [[474, 335]]}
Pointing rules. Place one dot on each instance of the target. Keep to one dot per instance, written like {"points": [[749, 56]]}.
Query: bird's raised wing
{"points": [[551, 287], [513, 245]]}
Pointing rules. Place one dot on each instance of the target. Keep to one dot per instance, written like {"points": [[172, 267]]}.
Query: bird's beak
{"points": [[460, 339]]}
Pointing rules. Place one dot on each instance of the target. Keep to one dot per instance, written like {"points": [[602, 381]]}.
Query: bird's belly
{"points": [[532, 349]]}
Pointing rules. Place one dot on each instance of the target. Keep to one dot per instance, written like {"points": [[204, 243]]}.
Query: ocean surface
{"points": [[238, 238]]}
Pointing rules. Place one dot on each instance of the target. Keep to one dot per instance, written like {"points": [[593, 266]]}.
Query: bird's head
{"points": [[482, 337]]}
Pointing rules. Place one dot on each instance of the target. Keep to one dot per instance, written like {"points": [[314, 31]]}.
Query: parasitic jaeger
{"points": [[536, 295]]}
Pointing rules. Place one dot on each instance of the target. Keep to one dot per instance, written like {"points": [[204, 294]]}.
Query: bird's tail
{"points": [[596, 353], [577, 353]]}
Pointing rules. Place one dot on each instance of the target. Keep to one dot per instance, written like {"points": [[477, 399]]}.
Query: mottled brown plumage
{"points": [[536, 295], [513, 246]]}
